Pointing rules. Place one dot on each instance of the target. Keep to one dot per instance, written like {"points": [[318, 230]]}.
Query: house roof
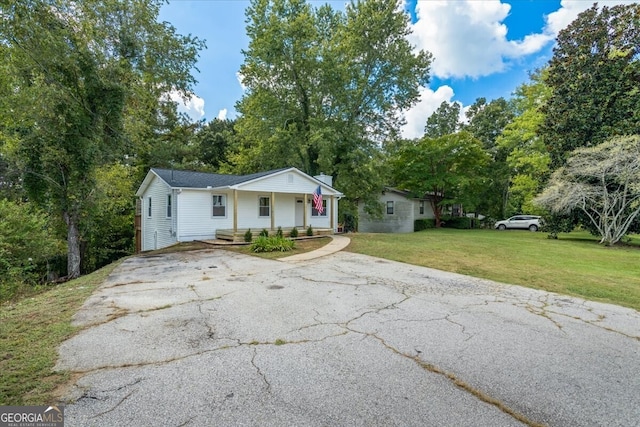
{"points": [[202, 180], [189, 179]]}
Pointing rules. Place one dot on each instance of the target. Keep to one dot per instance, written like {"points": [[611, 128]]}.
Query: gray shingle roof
{"points": [[190, 179]]}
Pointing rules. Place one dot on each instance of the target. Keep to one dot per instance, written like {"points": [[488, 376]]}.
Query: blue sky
{"points": [[482, 48]]}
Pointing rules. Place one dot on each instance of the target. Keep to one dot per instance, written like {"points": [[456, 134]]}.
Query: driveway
{"points": [[215, 338]]}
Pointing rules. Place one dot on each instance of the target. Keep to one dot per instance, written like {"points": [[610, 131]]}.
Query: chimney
{"points": [[327, 179]]}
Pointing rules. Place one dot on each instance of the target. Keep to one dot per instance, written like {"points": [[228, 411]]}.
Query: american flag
{"points": [[317, 200]]}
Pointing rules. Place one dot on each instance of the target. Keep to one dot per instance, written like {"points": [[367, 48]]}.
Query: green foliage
{"points": [[309, 231], [248, 236], [86, 77], [324, 87], [294, 233], [458, 222], [272, 244], [527, 158], [107, 230], [279, 232], [26, 245], [601, 182], [450, 169], [593, 76], [349, 222], [444, 121], [424, 224], [264, 233]]}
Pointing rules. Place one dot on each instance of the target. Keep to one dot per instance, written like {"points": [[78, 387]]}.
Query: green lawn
{"points": [[575, 264]]}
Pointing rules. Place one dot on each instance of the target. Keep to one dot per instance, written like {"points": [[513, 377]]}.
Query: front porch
{"points": [[238, 235]]}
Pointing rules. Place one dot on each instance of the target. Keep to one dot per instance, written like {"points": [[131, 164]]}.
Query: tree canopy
{"points": [[603, 182], [325, 88], [594, 77], [74, 69]]}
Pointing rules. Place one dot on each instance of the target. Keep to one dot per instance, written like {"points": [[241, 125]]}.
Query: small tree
{"points": [[603, 182]]}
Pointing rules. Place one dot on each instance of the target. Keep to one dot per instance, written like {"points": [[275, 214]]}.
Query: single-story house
{"points": [[180, 206], [399, 212]]}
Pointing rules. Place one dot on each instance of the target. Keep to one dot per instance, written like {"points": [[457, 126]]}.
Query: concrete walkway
{"points": [[337, 243]]}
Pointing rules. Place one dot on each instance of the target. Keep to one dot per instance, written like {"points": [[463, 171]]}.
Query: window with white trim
{"points": [[264, 206], [168, 205], [149, 211], [314, 211], [390, 207], [421, 207], [219, 205]]}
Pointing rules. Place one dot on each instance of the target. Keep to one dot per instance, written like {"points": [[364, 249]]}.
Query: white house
{"points": [[180, 206], [399, 212]]}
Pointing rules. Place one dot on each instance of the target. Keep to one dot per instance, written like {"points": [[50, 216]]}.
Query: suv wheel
{"points": [[502, 227], [533, 227]]}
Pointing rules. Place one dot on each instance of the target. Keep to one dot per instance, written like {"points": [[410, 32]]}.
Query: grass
{"points": [[575, 264], [31, 330]]}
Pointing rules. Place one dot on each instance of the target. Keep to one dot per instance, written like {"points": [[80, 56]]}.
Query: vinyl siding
{"points": [[401, 221], [157, 231], [195, 215]]}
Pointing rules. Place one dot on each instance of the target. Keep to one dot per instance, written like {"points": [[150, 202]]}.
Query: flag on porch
{"points": [[317, 200]]}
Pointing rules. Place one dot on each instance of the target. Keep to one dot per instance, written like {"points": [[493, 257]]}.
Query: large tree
{"points": [[527, 158], [76, 68], [325, 88], [449, 169], [444, 121], [594, 76], [602, 182]]}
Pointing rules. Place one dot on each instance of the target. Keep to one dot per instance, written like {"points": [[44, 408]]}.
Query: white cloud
{"points": [[222, 114], [417, 116], [240, 78], [192, 106], [468, 37], [569, 10]]}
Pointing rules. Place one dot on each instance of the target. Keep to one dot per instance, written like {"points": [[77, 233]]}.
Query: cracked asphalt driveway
{"points": [[218, 338]]}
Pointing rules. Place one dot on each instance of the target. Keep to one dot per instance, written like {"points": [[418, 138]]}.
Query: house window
{"points": [[149, 208], [314, 211], [421, 207], [264, 206], [168, 205], [219, 205], [390, 208]]}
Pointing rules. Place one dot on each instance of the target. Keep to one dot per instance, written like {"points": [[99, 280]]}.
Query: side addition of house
{"points": [[180, 206], [399, 212]]}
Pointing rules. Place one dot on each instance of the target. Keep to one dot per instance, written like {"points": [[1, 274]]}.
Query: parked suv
{"points": [[523, 222]]}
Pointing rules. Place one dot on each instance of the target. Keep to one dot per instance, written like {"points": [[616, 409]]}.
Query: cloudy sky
{"points": [[482, 48]]}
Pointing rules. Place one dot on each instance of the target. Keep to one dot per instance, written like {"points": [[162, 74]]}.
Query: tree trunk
{"points": [[73, 245]]}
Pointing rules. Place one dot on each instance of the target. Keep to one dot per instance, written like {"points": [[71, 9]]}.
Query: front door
{"points": [[299, 213]]}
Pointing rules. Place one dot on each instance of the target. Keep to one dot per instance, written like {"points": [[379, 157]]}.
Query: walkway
{"points": [[337, 243]]}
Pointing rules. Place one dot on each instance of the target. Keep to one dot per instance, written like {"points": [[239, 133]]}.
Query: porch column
{"points": [[331, 214], [235, 211], [304, 220], [273, 210]]}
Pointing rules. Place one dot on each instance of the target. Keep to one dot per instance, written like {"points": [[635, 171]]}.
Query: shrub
{"points": [[460, 222], [279, 232], [424, 224], [294, 233], [309, 231], [248, 236], [264, 232], [272, 244]]}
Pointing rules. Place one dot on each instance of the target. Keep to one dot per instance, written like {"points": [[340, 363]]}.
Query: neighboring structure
{"points": [[180, 206], [399, 212]]}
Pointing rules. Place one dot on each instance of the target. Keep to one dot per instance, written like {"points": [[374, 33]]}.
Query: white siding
{"points": [[195, 215], [401, 221], [157, 230], [286, 182]]}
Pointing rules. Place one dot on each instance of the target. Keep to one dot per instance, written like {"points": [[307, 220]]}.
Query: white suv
{"points": [[523, 222]]}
